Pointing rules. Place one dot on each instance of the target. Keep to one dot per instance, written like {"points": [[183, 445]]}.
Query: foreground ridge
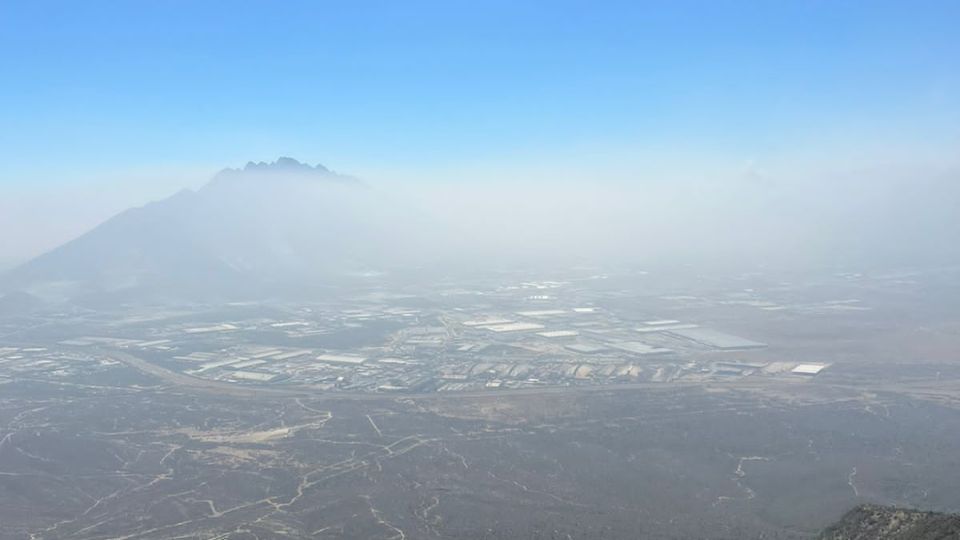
{"points": [[874, 522]]}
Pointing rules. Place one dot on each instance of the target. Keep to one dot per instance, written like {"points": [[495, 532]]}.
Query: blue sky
{"points": [[98, 93], [123, 84]]}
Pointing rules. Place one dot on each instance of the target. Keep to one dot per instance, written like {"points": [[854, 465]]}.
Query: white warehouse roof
{"points": [[808, 369]]}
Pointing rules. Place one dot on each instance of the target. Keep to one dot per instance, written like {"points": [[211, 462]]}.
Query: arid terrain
{"points": [[108, 440]]}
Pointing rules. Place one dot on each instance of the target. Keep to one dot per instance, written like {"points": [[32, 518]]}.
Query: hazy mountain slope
{"points": [[289, 229], [246, 231], [870, 522]]}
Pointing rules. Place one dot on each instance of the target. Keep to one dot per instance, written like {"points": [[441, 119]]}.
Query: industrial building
{"points": [[808, 369]]}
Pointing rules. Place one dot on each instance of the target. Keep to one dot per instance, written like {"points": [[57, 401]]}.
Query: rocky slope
{"points": [[870, 522]]}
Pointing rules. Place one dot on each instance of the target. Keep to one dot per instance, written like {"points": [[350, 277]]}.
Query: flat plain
{"points": [[109, 441]]}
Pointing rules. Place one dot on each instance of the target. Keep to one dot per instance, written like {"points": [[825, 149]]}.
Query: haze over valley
{"points": [[488, 270], [269, 357]]}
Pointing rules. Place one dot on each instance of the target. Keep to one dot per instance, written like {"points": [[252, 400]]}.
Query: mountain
{"points": [[18, 303], [262, 230], [871, 522], [288, 229]]}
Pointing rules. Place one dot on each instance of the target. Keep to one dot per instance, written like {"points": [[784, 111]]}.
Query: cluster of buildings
{"points": [[525, 335], [52, 363]]}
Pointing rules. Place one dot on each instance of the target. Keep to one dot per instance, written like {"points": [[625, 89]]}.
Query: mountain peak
{"points": [[259, 225], [283, 167], [285, 164]]}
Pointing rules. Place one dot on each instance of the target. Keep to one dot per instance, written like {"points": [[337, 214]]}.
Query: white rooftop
{"points": [[559, 333], [253, 376], [808, 369], [341, 359], [638, 347], [513, 327], [485, 322], [665, 328], [541, 312]]}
